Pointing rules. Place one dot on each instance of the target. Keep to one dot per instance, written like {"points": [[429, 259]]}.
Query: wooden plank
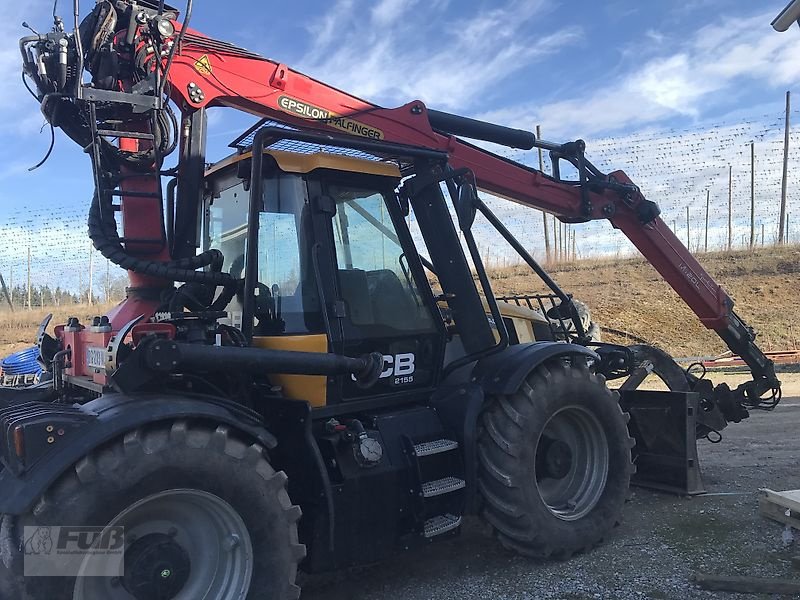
{"points": [[747, 585], [789, 499], [778, 513]]}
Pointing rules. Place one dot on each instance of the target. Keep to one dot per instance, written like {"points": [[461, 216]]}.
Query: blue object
{"points": [[22, 363]]}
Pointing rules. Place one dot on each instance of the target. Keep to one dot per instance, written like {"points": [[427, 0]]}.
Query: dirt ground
{"points": [[662, 541]]}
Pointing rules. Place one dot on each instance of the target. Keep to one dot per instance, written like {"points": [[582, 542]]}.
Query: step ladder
{"points": [[145, 107], [438, 485]]}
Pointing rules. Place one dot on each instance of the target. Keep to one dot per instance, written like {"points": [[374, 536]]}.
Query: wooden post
{"points": [[747, 585], [91, 272], [544, 214], [762, 234], [5, 293], [782, 220], [557, 240], [708, 196], [574, 255], [29, 278], [730, 206], [688, 241], [752, 194]]}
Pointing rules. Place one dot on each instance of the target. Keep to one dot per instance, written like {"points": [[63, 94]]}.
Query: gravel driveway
{"points": [[651, 555]]}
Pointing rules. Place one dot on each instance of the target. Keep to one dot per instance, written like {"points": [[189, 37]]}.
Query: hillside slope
{"points": [[630, 295], [623, 294]]}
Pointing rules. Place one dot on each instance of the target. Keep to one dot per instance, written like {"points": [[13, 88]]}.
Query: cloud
{"points": [[701, 73], [387, 12], [399, 51], [20, 112]]}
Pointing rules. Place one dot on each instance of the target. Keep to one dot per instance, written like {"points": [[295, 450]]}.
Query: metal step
{"points": [[441, 524], [434, 447], [445, 485]]}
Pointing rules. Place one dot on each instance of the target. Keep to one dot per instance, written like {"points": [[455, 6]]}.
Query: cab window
{"points": [[375, 281]]}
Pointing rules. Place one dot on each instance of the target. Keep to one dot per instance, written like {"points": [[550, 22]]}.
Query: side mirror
{"points": [[466, 206]]}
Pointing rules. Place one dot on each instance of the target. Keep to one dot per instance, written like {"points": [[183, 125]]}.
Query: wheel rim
{"points": [[179, 544], [571, 463]]}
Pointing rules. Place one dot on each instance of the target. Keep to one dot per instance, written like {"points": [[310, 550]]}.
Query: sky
{"points": [[623, 74]]}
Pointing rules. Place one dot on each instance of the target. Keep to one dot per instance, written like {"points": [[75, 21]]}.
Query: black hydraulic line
{"points": [[480, 130], [78, 47], [104, 236], [186, 18], [170, 210], [168, 355]]}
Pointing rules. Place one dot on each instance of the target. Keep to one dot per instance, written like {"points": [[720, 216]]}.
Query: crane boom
{"points": [[198, 72], [228, 76]]}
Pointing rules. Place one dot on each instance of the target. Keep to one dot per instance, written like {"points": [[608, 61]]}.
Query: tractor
{"points": [[304, 398]]}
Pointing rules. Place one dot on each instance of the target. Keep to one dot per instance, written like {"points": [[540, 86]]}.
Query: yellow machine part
{"points": [[522, 318], [312, 388]]}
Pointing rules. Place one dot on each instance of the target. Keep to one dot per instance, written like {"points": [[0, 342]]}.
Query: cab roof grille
{"points": [[244, 143]]}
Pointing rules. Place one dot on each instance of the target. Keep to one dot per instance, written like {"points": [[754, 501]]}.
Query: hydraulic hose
{"points": [[104, 236]]}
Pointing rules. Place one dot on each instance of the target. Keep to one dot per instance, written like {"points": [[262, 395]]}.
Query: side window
{"points": [[374, 277]]}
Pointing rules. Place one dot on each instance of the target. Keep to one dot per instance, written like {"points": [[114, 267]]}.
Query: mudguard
{"points": [[503, 372], [104, 419]]}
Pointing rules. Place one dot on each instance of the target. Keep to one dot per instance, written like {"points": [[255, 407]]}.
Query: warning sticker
{"points": [[315, 113], [202, 65]]}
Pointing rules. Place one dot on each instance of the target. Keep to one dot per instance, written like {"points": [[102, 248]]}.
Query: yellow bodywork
{"points": [[522, 318], [312, 388]]}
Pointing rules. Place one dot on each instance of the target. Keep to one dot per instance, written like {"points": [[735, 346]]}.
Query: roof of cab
{"points": [[293, 162]]}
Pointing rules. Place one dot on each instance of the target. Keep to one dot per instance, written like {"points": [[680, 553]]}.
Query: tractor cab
{"points": [[337, 269]]}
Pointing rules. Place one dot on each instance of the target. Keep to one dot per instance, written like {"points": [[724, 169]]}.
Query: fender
{"points": [[109, 417], [504, 372]]}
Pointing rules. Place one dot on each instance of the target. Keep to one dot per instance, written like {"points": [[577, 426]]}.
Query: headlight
{"points": [[165, 28]]}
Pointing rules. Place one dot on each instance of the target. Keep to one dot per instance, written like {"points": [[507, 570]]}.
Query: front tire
{"points": [[199, 504], [554, 461]]}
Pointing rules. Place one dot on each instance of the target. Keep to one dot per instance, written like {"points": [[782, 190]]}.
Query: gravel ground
{"points": [[651, 555]]}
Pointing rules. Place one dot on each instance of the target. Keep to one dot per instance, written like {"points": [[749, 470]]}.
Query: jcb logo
{"points": [[399, 365]]}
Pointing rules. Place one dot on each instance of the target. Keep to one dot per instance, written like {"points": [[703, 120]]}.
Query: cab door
{"points": [[386, 302]]}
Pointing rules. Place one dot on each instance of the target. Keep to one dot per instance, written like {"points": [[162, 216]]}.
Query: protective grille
{"points": [[245, 141]]}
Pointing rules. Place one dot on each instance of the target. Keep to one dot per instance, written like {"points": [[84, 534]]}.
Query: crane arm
{"points": [[118, 43], [212, 73]]}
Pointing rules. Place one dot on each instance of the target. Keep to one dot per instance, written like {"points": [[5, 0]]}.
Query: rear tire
{"points": [[554, 461], [226, 499]]}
